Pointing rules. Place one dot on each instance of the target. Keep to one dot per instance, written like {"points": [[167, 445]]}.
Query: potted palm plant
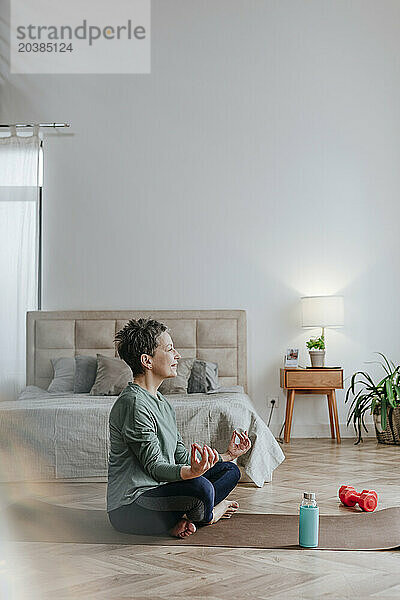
{"points": [[381, 399], [316, 348]]}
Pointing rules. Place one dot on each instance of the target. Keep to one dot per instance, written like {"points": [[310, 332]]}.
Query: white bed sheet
{"points": [[56, 436]]}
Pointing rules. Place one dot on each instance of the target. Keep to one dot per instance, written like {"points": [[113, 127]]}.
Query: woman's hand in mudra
{"points": [[197, 467], [235, 450], [208, 459]]}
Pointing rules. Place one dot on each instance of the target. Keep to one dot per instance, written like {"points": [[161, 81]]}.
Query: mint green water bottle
{"points": [[308, 521]]}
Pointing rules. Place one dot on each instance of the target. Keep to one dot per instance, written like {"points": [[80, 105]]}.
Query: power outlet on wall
{"points": [[273, 400]]}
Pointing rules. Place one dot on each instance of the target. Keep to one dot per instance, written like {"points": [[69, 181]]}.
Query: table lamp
{"points": [[322, 311]]}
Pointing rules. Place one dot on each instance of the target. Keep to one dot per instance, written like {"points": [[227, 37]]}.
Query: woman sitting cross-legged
{"points": [[154, 485]]}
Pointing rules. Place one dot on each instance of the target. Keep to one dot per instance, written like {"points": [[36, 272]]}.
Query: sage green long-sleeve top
{"points": [[146, 448]]}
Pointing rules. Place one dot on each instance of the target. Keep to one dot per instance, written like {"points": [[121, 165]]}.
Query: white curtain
{"points": [[20, 177]]}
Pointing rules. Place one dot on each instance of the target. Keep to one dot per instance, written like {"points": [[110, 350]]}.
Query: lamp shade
{"points": [[322, 311]]}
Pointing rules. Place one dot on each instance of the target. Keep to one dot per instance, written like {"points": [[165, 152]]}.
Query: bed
{"points": [[64, 436]]}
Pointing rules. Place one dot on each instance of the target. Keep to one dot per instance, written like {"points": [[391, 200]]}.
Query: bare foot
{"points": [[182, 529], [232, 508], [224, 510]]}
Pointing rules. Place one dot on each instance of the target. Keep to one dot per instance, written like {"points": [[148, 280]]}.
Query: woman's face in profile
{"points": [[165, 357]]}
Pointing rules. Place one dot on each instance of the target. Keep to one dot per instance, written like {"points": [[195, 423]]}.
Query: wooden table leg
{"points": [[329, 398], [289, 414], [335, 415]]}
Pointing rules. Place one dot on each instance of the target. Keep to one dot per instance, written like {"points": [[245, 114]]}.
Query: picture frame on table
{"points": [[292, 358]]}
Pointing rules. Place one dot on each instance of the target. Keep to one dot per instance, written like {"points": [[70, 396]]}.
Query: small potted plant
{"points": [[316, 347], [381, 399]]}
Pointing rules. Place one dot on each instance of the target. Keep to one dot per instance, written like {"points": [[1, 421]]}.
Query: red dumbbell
{"points": [[367, 500]]}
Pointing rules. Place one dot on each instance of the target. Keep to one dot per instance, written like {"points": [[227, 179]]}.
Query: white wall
{"points": [[259, 162]]}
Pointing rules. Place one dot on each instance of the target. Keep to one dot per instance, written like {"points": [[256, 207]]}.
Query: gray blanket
{"points": [[54, 436]]}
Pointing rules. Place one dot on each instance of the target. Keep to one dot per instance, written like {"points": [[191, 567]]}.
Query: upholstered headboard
{"points": [[215, 335]]}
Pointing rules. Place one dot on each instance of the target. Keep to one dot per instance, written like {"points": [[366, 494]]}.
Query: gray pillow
{"points": [[63, 379], [203, 378], [112, 376], [211, 375], [178, 384], [197, 383], [85, 373]]}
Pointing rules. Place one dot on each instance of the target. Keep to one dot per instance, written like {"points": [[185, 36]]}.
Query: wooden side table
{"points": [[312, 381]]}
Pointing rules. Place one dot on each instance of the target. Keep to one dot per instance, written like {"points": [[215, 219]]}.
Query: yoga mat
{"points": [[38, 521]]}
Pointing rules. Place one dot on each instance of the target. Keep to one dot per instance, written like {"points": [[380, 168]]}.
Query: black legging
{"points": [[159, 509]]}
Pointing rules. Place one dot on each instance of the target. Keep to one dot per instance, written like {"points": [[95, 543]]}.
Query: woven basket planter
{"points": [[391, 435]]}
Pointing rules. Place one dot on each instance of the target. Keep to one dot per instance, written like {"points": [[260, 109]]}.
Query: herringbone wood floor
{"points": [[46, 571]]}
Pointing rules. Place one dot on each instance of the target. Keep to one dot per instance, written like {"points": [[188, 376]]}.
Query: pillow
{"points": [[112, 376], [63, 379], [178, 384], [197, 383], [211, 375], [85, 373], [203, 378]]}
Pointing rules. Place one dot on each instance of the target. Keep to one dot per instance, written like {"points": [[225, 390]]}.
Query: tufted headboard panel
{"points": [[215, 335]]}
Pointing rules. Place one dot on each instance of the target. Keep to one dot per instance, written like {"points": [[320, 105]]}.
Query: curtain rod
{"points": [[36, 125]]}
